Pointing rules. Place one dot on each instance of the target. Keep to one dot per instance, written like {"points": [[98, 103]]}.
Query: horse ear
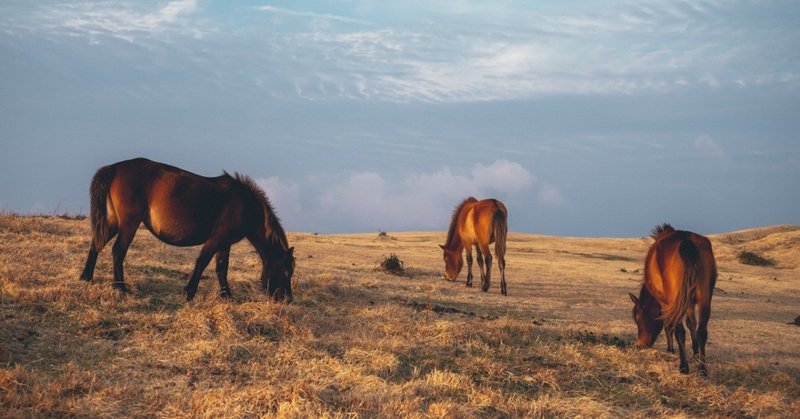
{"points": [[442, 246], [633, 298]]}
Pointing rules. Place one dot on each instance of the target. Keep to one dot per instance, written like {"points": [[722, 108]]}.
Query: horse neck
{"points": [[455, 244], [275, 243]]}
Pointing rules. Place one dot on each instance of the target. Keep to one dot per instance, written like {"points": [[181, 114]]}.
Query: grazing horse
{"points": [[679, 277], [477, 223], [185, 209]]}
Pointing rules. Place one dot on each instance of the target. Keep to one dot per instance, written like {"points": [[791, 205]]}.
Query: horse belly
{"points": [[176, 227]]}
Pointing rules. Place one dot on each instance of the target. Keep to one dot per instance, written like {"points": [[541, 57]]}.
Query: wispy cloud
{"points": [[485, 52], [121, 21], [709, 145], [653, 47], [324, 16]]}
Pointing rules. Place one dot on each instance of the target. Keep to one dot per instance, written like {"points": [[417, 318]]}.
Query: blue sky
{"points": [[588, 118]]}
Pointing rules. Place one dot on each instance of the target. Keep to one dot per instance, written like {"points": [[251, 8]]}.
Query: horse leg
{"points": [[501, 263], [206, 253], [91, 259], [680, 336], [119, 250], [480, 263], [691, 323], [469, 265], [487, 260], [668, 333], [702, 334], [222, 272]]}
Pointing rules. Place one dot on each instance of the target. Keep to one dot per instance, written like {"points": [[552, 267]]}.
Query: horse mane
{"points": [[660, 230], [451, 232], [271, 220]]}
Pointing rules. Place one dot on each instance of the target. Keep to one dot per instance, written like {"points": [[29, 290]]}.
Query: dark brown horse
{"points": [[184, 209], [679, 277], [477, 223]]}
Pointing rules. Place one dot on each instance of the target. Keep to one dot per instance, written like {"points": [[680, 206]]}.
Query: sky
{"points": [[586, 117]]}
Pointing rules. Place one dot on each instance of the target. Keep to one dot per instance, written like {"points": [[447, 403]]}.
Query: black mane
{"points": [[660, 230], [272, 222]]}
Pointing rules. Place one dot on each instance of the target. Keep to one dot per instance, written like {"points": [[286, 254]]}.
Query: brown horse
{"points": [[184, 209], [679, 276], [477, 223]]}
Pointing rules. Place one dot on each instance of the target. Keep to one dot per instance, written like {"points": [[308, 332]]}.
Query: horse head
{"points": [[278, 278], [646, 312], [453, 262]]}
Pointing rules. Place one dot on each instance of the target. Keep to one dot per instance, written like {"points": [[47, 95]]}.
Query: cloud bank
{"points": [[369, 201]]}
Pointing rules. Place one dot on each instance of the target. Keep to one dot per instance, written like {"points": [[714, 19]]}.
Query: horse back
{"points": [[177, 206], [666, 264], [479, 221]]}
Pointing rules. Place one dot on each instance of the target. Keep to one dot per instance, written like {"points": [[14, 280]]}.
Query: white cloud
{"points": [[709, 145], [285, 199], [502, 175], [324, 16], [550, 195], [369, 201], [109, 18], [654, 47], [498, 51]]}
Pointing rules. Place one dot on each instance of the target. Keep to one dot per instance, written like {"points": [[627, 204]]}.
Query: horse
{"points": [[679, 277], [477, 223], [184, 209]]}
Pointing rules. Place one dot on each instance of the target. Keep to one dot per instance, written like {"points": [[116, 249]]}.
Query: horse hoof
{"points": [[120, 287], [684, 369], [88, 280], [226, 295], [469, 285]]}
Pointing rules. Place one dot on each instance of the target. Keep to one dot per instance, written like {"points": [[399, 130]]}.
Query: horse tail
{"points": [[500, 224], [690, 254], [101, 183]]}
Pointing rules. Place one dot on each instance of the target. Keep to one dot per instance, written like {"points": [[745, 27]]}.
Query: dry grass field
{"points": [[361, 342]]}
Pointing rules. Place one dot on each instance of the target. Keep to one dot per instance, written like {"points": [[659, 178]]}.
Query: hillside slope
{"points": [[358, 340]]}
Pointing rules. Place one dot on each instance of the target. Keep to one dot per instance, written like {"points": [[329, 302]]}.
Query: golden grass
{"points": [[360, 342]]}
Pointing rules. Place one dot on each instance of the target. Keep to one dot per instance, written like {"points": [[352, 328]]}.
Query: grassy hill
{"points": [[360, 341]]}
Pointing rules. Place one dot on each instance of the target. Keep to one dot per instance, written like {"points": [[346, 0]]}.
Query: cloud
{"points": [[496, 52], [653, 47], [368, 201], [708, 144], [324, 16], [108, 18], [285, 199], [502, 174], [550, 195]]}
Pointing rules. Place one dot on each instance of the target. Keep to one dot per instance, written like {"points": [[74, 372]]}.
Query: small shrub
{"points": [[393, 265], [750, 258], [72, 216]]}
